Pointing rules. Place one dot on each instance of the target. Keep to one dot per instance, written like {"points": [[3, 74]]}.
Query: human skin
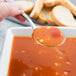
{"points": [[11, 9]]}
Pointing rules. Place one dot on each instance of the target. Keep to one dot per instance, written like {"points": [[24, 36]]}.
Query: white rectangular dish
{"points": [[22, 31]]}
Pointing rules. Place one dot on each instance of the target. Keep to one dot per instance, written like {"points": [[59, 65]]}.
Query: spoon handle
{"points": [[29, 20]]}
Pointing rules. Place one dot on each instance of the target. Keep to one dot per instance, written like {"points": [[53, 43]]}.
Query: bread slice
{"points": [[62, 16], [26, 3], [37, 9], [69, 5], [50, 20], [30, 7], [50, 3], [44, 15]]}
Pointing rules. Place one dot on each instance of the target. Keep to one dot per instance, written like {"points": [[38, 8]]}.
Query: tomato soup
{"points": [[31, 59]]}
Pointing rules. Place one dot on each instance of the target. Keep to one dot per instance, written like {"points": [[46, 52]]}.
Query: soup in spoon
{"points": [[48, 36]]}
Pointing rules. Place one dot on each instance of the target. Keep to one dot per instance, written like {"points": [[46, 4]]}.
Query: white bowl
{"points": [[22, 31]]}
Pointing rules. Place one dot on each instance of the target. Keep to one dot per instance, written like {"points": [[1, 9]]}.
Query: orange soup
{"points": [[31, 59]]}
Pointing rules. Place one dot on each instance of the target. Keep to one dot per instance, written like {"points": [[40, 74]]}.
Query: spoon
{"points": [[46, 35]]}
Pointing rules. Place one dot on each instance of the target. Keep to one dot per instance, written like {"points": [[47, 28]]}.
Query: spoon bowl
{"points": [[48, 36]]}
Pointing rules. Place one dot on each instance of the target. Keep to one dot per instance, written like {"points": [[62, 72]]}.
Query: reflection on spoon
{"points": [[48, 36]]}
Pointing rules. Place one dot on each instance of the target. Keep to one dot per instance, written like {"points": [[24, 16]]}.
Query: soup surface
{"points": [[31, 59]]}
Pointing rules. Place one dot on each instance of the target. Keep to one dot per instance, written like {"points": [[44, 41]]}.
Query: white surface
{"points": [[23, 31]]}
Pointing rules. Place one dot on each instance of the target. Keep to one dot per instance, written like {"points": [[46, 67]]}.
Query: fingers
{"points": [[10, 9]]}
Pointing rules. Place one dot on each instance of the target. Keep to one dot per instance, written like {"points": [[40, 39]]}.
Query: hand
{"points": [[11, 9]]}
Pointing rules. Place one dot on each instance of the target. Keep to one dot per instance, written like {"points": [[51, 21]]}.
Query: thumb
{"points": [[10, 9]]}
